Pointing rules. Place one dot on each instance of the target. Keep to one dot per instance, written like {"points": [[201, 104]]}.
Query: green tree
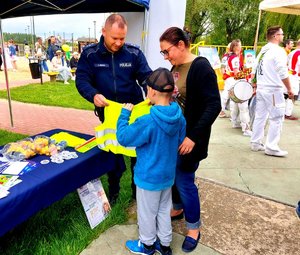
{"points": [[197, 19], [289, 23], [224, 20]]}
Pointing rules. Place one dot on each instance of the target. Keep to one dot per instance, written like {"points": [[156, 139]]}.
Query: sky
{"points": [[65, 24]]}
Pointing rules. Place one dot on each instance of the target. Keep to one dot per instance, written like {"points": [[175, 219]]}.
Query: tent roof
{"points": [[19, 8], [287, 6]]}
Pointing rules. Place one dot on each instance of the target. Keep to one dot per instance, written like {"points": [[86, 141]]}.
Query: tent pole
{"points": [[6, 76], [257, 30], [145, 32]]}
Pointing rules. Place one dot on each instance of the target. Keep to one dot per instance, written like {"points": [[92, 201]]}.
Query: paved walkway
{"points": [[247, 198]]}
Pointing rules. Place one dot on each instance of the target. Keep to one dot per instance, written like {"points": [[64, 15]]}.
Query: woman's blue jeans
{"points": [[44, 65], [185, 193]]}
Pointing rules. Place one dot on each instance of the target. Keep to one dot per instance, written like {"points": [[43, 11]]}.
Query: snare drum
{"points": [[241, 91]]}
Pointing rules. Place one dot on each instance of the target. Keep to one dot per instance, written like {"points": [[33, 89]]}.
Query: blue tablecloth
{"points": [[49, 183]]}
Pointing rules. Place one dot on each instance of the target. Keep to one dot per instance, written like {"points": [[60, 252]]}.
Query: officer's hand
{"points": [[100, 100]]}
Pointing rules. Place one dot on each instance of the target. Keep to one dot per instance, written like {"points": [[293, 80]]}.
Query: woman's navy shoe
{"points": [[190, 244]]}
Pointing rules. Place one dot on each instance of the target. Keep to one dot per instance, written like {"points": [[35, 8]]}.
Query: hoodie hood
{"points": [[167, 117]]}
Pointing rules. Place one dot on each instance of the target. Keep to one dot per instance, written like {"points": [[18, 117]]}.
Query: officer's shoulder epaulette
{"points": [[132, 48], [90, 48], [132, 45]]}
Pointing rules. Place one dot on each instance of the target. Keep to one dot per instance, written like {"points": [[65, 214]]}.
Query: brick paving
{"points": [[32, 119]]}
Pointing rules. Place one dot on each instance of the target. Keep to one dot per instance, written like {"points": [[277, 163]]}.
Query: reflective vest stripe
{"points": [[106, 132]]}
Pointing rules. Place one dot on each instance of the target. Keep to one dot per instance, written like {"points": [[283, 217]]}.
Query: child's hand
{"points": [[128, 106]]}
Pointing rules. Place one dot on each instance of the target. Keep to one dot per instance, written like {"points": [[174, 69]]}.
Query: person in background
{"points": [[288, 44], [225, 92], [52, 47], [73, 64], [13, 54], [1, 59], [67, 55], [294, 73], [270, 74], [7, 54], [114, 70], [199, 97], [158, 134], [41, 54], [239, 112], [74, 60], [26, 50], [59, 65]]}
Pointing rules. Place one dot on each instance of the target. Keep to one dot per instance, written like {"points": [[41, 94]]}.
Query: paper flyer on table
{"points": [[15, 168], [3, 192], [94, 202], [8, 181]]}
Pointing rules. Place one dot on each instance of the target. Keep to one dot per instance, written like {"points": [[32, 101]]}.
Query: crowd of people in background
{"points": [[52, 58]]}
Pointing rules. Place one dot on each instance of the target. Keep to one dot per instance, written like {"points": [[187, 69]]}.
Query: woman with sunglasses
{"points": [[199, 98]]}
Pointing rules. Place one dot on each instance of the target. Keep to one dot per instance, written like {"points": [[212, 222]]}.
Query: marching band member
{"points": [[224, 94], [294, 73]]}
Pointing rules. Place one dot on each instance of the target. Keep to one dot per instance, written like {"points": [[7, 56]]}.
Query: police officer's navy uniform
{"points": [[117, 77]]}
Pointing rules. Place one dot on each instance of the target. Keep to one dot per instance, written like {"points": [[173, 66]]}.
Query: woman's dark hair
{"points": [[175, 34]]}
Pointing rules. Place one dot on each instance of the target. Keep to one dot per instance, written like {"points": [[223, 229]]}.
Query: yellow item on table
{"points": [[71, 140], [106, 132], [86, 146]]}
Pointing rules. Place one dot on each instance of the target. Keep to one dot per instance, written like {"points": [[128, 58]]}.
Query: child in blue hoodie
{"points": [[156, 137]]}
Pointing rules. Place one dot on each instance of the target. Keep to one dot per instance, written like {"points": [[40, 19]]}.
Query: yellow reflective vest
{"points": [[106, 132]]}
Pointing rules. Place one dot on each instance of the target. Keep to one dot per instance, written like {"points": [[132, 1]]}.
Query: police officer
{"points": [[110, 70]]}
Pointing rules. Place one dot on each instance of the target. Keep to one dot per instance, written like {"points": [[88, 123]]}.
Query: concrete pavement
{"points": [[247, 198]]}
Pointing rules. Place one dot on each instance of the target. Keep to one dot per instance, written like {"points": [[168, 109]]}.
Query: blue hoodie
{"points": [[156, 137]]}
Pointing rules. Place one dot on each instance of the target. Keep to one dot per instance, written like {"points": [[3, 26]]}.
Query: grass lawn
{"points": [[53, 94], [62, 228]]}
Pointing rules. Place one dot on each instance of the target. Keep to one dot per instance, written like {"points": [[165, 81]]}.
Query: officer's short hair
{"points": [[116, 18]]}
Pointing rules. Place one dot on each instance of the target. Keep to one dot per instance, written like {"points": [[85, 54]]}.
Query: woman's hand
{"points": [[186, 146]]}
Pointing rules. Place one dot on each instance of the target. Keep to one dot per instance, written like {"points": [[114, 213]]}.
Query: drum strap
{"points": [[254, 80]]}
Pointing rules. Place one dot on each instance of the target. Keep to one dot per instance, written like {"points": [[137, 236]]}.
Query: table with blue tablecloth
{"points": [[48, 183]]}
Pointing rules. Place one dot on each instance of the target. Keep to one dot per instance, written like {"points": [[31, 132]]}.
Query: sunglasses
{"points": [[166, 51]]}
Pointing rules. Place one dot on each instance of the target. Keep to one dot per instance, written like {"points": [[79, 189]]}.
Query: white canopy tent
{"points": [[145, 25], [279, 6]]}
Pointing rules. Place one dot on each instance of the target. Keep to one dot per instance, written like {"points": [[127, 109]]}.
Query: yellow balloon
{"points": [[65, 47]]}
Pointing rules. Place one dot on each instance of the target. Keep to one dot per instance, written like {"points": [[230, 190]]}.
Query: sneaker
{"points": [[137, 247], [257, 147], [298, 210], [222, 115], [162, 250], [290, 117], [66, 83], [247, 133], [73, 78], [236, 125], [278, 153]]}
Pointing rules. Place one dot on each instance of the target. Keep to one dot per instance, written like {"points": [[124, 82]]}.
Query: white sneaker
{"points": [[279, 153], [247, 133], [257, 147], [236, 125], [73, 78], [66, 83]]}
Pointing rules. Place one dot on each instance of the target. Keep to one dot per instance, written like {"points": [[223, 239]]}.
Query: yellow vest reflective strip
{"points": [[106, 132]]}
